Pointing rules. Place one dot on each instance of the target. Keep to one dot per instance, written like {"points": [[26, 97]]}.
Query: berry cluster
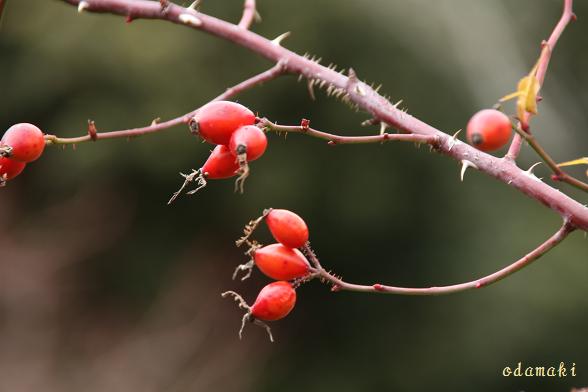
{"points": [[282, 261], [21, 144], [231, 127]]}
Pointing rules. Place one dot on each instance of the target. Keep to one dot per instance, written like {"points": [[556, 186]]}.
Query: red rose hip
{"points": [[274, 301], [220, 164], [27, 142], [281, 263], [287, 228], [10, 168], [215, 122], [489, 130], [249, 140]]}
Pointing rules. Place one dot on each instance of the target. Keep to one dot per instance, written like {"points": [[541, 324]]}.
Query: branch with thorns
{"points": [[359, 94]]}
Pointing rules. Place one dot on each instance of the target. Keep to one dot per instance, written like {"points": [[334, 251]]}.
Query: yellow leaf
{"points": [[580, 161], [528, 88]]}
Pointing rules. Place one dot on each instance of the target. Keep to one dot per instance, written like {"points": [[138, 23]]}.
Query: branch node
{"points": [[190, 19], [92, 131]]}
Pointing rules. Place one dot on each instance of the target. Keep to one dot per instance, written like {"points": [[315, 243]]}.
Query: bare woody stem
{"points": [[338, 139], [355, 92], [249, 14], [339, 284], [547, 49], [155, 127], [559, 174]]}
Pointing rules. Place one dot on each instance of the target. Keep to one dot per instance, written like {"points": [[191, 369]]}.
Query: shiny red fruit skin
{"points": [[27, 142], [274, 301], [250, 137], [10, 168], [220, 164], [287, 228], [218, 120], [489, 130], [281, 263]]}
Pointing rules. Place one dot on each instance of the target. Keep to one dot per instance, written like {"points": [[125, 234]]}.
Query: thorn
{"points": [[310, 86], [190, 20], [257, 17], [83, 5], [398, 103], [278, 40], [378, 88], [194, 6], [156, 121], [464, 166], [530, 173], [383, 127], [352, 75], [454, 140], [359, 90]]}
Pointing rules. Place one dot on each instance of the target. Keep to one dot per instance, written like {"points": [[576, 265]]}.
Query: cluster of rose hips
{"points": [[489, 130], [21, 144], [238, 140], [282, 261]]}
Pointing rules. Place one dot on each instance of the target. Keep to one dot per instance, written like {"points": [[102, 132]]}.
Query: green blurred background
{"points": [[105, 287]]}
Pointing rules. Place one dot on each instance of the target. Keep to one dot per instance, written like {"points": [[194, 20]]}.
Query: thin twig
{"points": [[338, 139], [546, 51], [559, 174], [552, 242], [249, 12], [256, 80]]}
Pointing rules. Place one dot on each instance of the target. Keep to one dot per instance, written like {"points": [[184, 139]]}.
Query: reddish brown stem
{"points": [[338, 139], [256, 80], [552, 242], [356, 92]]}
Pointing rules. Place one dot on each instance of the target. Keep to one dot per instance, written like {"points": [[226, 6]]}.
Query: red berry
{"points": [[281, 263], [27, 142], [489, 130], [10, 168], [287, 228], [216, 121], [274, 301], [220, 164], [248, 139]]}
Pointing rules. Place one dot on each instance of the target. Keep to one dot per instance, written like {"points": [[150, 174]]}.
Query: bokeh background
{"points": [[103, 287]]}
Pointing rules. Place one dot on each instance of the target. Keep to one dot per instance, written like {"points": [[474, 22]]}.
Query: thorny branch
{"points": [[352, 90]]}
